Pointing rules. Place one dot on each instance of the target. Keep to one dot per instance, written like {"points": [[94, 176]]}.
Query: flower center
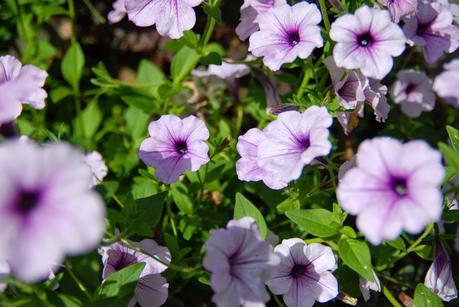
{"points": [[423, 28], [365, 39], [298, 270], [126, 260], [181, 147], [293, 38], [27, 201], [399, 186], [410, 88], [304, 143]]}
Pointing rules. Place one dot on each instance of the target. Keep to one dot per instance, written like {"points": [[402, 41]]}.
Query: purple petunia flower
{"points": [[304, 273], [174, 146], [172, 17], [19, 85], [46, 207], [413, 90], [250, 11], [394, 187], [152, 288], [446, 84], [97, 165], [118, 12], [432, 29], [400, 8], [367, 40], [240, 262], [286, 33], [439, 277], [224, 71], [247, 167], [292, 141], [365, 286]]}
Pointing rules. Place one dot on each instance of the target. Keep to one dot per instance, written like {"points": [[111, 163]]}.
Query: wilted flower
{"points": [[19, 85], [366, 286], [439, 277], [250, 11], [174, 146], [446, 84], [118, 12], [46, 208], [152, 288], [97, 165], [413, 90], [400, 8], [286, 32], [303, 275], [293, 140], [240, 262], [367, 40], [394, 187], [247, 167], [432, 29], [172, 17]]}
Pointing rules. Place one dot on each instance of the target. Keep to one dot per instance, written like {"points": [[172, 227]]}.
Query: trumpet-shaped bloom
{"points": [[152, 288], [46, 207], [172, 17], [304, 273], [400, 8], [19, 85], [174, 146], [247, 167], [240, 262], [413, 90], [439, 277], [367, 40], [394, 187], [432, 29], [292, 141], [445, 84], [250, 11], [286, 33], [365, 286], [97, 165]]}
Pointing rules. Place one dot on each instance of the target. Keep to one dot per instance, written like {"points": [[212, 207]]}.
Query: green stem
{"points": [[323, 9], [390, 297], [208, 30], [21, 19], [304, 81], [68, 268], [94, 11], [417, 242]]}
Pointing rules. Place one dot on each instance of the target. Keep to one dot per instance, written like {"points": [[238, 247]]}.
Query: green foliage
{"points": [[244, 207], [424, 297], [72, 65], [318, 222], [356, 255]]}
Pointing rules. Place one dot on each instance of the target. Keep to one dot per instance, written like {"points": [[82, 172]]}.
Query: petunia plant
{"points": [[229, 153]]}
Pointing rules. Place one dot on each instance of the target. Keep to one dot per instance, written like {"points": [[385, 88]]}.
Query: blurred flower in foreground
{"points": [[432, 29], [224, 71], [152, 288], [446, 84], [286, 32], [118, 12], [292, 141], [240, 262], [171, 17], [304, 273], [400, 8], [413, 90], [394, 187], [250, 11], [439, 277], [97, 165], [175, 145], [19, 85], [366, 286], [247, 167], [367, 40], [4, 273], [47, 210]]}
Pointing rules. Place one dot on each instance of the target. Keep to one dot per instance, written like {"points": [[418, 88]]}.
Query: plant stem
{"points": [[208, 30], [390, 297], [323, 9], [417, 242], [94, 11], [68, 268], [304, 81]]}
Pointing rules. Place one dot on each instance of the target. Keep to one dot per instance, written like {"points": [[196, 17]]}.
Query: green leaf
{"points": [[137, 98], [144, 213], [424, 297], [91, 118], [190, 39], [397, 243], [212, 58], [453, 136], [213, 11], [183, 63], [356, 255], [122, 282], [148, 72], [318, 222], [136, 122], [288, 204], [72, 65], [181, 199], [60, 299], [244, 207], [425, 252]]}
